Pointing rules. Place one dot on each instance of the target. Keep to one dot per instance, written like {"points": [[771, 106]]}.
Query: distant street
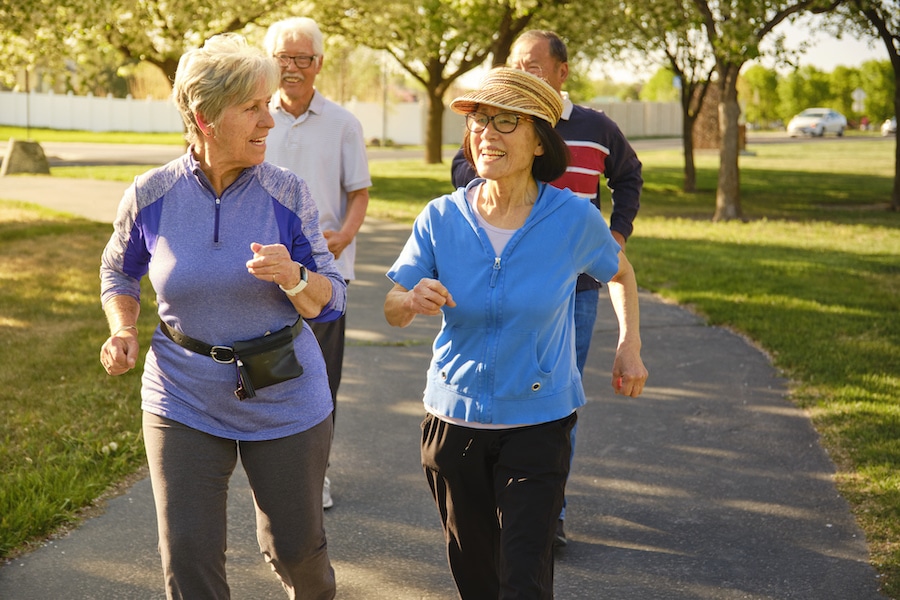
{"points": [[88, 154], [77, 154]]}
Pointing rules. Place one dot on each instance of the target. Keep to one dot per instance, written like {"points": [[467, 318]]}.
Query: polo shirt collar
{"points": [[316, 105], [567, 106]]}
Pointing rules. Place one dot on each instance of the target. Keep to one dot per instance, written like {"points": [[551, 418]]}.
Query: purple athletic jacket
{"points": [[194, 246]]}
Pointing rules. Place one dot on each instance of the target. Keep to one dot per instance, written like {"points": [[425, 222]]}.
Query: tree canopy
{"points": [[154, 31], [437, 41]]}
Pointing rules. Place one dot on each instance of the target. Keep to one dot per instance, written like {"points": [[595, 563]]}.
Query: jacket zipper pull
{"points": [[496, 270], [216, 224]]}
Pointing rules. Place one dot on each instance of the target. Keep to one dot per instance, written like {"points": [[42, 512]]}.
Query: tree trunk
{"points": [[434, 128], [883, 25], [895, 194], [168, 66], [692, 96], [728, 192], [687, 141]]}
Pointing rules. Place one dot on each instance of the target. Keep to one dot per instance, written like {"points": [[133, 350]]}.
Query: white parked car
{"points": [[889, 127], [817, 122]]}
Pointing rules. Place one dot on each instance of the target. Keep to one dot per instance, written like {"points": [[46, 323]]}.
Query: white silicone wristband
{"points": [[304, 281]]}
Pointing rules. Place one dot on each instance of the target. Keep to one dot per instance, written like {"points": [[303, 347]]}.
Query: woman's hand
{"points": [[119, 352], [273, 263], [428, 297], [629, 373]]}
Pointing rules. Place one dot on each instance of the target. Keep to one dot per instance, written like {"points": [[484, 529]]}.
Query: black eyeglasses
{"points": [[505, 122], [302, 62]]}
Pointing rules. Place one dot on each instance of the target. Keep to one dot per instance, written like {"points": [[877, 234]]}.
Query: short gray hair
{"points": [[293, 29], [225, 72], [558, 48]]}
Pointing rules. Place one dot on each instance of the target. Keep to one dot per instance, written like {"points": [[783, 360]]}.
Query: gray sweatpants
{"points": [[190, 471]]}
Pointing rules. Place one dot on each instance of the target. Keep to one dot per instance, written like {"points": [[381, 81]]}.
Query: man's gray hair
{"points": [[294, 29], [225, 72], [558, 48]]}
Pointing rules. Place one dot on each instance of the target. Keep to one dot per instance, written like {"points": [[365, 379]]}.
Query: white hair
{"points": [[293, 29]]}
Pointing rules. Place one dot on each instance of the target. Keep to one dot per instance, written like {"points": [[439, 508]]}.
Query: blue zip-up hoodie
{"points": [[505, 354], [194, 245]]}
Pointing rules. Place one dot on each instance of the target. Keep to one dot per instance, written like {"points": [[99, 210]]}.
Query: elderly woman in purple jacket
{"points": [[499, 260], [232, 247]]}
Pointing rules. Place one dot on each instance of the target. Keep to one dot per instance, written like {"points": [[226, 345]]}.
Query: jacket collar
{"points": [[544, 204]]}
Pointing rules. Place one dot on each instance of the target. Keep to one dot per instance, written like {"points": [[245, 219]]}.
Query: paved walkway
{"points": [[711, 486]]}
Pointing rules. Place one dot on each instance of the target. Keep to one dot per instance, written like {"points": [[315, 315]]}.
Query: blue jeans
{"points": [[586, 303]]}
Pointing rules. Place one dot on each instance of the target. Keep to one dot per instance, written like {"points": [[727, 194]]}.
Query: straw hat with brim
{"points": [[513, 90]]}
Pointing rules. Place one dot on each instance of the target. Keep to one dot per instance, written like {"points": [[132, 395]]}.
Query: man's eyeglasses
{"points": [[504, 122], [302, 62]]}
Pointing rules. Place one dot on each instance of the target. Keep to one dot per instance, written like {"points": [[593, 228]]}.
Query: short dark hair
{"points": [[558, 48], [549, 166], [552, 164]]}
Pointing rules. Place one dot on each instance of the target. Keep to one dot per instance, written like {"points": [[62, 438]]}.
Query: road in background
{"points": [[87, 154]]}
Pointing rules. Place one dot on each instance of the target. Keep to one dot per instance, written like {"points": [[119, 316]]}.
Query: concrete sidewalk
{"points": [[711, 486]]}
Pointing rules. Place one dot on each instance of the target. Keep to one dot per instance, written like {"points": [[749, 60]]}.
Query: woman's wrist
{"points": [[124, 328], [302, 281]]}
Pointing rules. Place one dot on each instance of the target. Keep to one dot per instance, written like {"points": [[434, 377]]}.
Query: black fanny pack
{"points": [[260, 362]]}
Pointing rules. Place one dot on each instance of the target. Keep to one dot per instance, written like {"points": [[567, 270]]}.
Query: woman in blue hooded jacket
{"points": [[499, 260]]}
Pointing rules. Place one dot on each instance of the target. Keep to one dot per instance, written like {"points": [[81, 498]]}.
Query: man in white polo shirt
{"points": [[323, 143]]}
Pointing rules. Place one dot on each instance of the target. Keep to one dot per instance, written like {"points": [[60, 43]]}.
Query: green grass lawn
{"points": [[107, 137], [68, 432], [813, 277]]}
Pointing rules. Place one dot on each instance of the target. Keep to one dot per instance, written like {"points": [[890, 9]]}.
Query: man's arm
{"points": [[357, 204], [625, 182]]}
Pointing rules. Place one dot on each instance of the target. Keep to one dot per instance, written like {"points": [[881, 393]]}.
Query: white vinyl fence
{"points": [[401, 123], [88, 113]]}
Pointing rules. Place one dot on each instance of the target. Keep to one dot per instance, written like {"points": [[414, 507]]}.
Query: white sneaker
{"points": [[327, 502]]}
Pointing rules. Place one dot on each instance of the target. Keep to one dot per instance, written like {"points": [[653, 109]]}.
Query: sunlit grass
{"points": [[67, 431], [107, 137]]}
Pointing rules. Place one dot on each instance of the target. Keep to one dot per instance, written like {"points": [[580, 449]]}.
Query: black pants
{"points": [[331, 339], [499, 493]]}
